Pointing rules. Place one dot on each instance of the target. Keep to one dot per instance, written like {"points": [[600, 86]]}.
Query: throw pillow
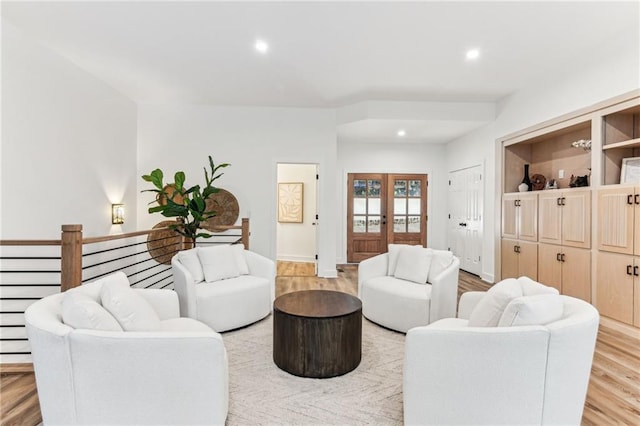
{"points": [[531, 287], [532, 310], [191, 261], [413, 264], [440, 260], [130, 309], [241, 260], [81, 311], [394, 251], [218, 263], [488, 311]]}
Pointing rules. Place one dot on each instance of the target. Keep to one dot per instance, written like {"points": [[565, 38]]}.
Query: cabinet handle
{"points": [[558, 257], [515, 203], [629, 199], [637, 198], [629, 270], [635, 271], [562, 257], [563, 200], [558, 201], [516, 249]]}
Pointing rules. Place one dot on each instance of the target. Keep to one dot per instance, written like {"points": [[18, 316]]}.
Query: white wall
{"points": [[358, 157], [603, 73], [254, 141], [68, 145], [297, 241]]}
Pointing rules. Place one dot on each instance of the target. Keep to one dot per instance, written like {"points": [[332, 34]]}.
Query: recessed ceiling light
{"points": [[473, 54], [261, 46], [401, 133]]}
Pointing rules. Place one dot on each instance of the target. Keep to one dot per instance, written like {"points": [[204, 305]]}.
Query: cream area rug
{"points": [[262, 394]]}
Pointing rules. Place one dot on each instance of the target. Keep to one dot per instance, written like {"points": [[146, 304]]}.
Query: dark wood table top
{"points": [[317, 303]]}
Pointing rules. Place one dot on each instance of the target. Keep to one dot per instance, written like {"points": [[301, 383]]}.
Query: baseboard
{"points": [[328, 273], [489, 278], [294, 258]]}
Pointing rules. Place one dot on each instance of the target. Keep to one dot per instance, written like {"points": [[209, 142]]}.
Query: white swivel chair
{"points": [[98, 373], [226, 287], [408, 286], [511, 374]]}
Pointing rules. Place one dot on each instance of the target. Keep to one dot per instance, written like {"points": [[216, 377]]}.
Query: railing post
{"points": [[71, 268], [245, 232]]}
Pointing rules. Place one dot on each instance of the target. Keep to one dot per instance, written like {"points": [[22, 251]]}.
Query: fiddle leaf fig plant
{"points": [[188, 205]]}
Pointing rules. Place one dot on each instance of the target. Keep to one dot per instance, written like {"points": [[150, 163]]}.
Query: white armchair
{"points": [[232, 288], [457, 374], [176, 374], [401, 304]]}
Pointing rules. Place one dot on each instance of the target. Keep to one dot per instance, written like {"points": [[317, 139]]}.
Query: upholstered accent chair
{"points": [[104, 353], [408, 286], [225, 286], [517, 354]]}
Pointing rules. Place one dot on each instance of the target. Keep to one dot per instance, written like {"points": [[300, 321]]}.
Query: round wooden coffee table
{"points": [[317, 333]]}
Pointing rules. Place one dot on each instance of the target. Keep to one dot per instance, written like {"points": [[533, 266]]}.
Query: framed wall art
{"points": [[630, 172], [290, 197]]}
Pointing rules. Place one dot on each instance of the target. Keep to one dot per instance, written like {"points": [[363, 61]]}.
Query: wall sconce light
{"points": [[117, 214]]}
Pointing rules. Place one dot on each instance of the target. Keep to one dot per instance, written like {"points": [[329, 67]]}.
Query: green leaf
{"points": [[156, 178], [179, 180], [157, 209]]}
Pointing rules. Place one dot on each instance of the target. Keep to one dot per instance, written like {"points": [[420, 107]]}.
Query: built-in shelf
{"points": [[633, 143]]}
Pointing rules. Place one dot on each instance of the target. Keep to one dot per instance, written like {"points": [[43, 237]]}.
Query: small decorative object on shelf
{"points": [[525, 180], [578, 181], [551, 184], [538, 182], [582, 143]]}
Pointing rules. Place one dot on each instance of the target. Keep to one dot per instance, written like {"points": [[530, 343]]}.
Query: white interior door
{"points": [[465, 217]]}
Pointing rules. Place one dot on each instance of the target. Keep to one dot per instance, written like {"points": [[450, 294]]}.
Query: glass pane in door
{"points": [[359, 206], [413, 224], [414, 206], [374, 206], [399, 224], [359, 188], [374, 188], [399, 206], [414, 188], [373, 224], [400, 188], [359, 224]]}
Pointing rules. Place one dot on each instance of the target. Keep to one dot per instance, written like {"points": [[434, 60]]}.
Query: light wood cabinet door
{"points": [[636, 228], [528, 217], [549, 267], [636, 291], [528, 259], [510, 216], [550, 215], [509, 260], [615, 286], [576, 273], [576, 218], [616, 219]]}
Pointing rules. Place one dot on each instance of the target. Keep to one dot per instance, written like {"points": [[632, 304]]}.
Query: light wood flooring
{"points": [[613, 397]]}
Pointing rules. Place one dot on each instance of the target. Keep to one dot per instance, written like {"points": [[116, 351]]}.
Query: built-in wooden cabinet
{"points": [[619, 219], [520, 216], [594, 141], [519, 258], [618, 287], [565, 217], [565, 268]]}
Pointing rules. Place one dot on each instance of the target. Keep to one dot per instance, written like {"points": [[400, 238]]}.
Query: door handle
{"points": [[462, 224], [629, 270]]}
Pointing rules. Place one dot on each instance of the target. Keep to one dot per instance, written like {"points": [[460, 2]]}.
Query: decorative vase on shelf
{"points": [[526, 181]]}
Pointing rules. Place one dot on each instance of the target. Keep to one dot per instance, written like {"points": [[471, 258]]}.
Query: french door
{"points": [[384, 209]]}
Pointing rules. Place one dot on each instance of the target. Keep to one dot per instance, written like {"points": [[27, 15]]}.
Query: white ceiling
{"points": [[326, 54]]}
